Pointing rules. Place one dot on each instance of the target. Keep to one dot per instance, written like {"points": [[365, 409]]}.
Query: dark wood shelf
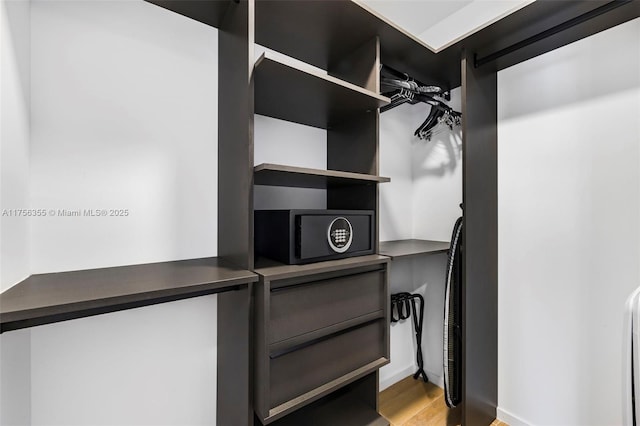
{"points": [[324, 35], [285, 91], [405, 248], [343, 410], [279, 175], [328, 26], [48, 298], [323, 415], [273, 270], [210, 12]]}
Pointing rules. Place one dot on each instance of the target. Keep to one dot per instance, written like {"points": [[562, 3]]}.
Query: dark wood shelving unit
{"points": [[280, 175], [335, 29], [305, 96], [47, 298], [318, 327], [405, 248], [349, 41], [343, 410], [335, 330]]}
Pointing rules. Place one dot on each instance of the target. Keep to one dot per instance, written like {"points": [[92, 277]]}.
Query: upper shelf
{"points": [[305, 96], [404, 248], [301, 177], [326, 32], [47, 298], [210, 12], [322, 33]]}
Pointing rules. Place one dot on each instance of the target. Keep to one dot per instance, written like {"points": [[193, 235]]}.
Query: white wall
{"points": [[14, 140], [396, 148], [15, 369], [569, 232], [148, 366], [421, 202], [423, 275], [124, 116], [437, 180], [282, 142]]}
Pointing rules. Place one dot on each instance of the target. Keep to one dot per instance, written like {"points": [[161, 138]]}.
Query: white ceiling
{"points": [[440, 23]]}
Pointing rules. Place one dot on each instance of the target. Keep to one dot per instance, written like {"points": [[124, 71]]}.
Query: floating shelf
{"points": [[318, 24], [405, 248], [208, 12], [285, 91], [328, 27], [279, 175], [48, 298], [344, 413], [324, 35], [277, 271]]}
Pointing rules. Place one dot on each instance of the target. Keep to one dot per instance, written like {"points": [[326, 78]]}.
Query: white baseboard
{"points": [[509, 418], [435, 379], [408, 371], [396, 377]]}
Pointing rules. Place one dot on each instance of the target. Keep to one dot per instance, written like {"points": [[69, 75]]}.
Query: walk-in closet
{"points": [[326, 212]]}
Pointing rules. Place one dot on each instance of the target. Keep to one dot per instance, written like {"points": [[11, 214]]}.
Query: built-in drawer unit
{"points": [[317, 329], [304, 308], [303, 369]]}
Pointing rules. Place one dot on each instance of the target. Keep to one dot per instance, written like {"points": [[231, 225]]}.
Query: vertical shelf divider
{"points": [[235, 209], [235, 134], [480, 265], [352, 145], [361, 67]]}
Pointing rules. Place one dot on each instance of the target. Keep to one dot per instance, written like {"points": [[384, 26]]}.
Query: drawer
{"points": [[300, 371], [307, 307]]}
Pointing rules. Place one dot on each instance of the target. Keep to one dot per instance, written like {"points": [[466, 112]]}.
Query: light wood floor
{"points": [[413, 402]]}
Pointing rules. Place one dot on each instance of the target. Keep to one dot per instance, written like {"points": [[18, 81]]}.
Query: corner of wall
{"points": [[436, 172], [421, 201], [15, 71], [509, 418]]}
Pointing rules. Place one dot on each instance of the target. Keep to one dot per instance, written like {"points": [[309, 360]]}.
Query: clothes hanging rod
{"points": [[478, 62]]}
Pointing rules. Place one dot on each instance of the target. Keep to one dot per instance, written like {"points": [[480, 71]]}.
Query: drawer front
{"points": [[305, 369], [311, 306]]}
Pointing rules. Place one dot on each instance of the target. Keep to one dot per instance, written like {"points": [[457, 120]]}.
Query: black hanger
{"points": [[404, 90]]}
